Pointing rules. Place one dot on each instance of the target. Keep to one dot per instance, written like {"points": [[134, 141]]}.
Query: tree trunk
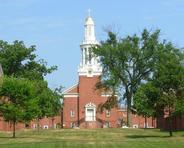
{"points": [[170, 123], [129, 124], [170, 126], [38, 125], [145, 126], [61, 117], [52, 122], [14, 128]]}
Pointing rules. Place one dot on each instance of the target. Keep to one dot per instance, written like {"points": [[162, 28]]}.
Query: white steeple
{"points": [[89, 65]]}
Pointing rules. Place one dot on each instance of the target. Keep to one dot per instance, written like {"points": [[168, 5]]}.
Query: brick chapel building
{"points": [[81, 101]]}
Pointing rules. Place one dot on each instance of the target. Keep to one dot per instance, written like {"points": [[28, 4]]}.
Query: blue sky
{"points": [[56, 26]]}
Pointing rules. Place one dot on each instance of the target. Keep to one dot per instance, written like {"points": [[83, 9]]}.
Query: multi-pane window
{"points": [[72, 124], [108, 113], [107, 124], [90, 115], [90, 112], [72, 113]]}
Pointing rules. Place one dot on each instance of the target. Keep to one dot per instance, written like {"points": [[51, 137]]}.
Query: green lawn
{"points": [[99, 138]]}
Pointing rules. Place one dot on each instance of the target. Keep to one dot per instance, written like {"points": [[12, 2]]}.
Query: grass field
{"points": [[98, 138]]}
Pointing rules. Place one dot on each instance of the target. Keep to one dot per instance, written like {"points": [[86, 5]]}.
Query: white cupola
{"points": [[89, 65]]}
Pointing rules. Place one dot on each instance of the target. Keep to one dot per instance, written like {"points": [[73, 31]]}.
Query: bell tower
{"points": [[89, 65]]}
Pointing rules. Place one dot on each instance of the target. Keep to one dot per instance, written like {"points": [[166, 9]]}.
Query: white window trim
{"points": [[72, 124], [108, 113], [72, 113], [90, 106], [46, 127]]}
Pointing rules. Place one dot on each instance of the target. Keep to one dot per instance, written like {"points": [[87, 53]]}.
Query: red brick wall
{"points": [[87, 94], [7, 126], [69, 104], [177, 123], [51, 122], [140, 121]]}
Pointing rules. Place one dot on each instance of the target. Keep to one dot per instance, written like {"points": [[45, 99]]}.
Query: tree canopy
{"points": [[20, 61], [24, 94], [126, 63], [17, 103], [163, 92]]}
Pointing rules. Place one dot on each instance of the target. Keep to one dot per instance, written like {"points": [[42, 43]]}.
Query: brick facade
{"points": [[84, 93], [45, 123], [177, 123]]}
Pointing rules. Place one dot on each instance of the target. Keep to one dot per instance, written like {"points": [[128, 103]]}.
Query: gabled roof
{"points": [[72, 90]]}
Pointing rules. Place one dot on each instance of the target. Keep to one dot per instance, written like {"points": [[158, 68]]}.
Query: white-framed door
{"points": [[90, 112]]}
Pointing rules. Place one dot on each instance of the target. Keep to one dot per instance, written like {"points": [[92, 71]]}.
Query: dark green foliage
{"points": [[48, 101], [24, 94], [126, 63], [17, 102], [167, 80], [20, 61], [145, 98]]}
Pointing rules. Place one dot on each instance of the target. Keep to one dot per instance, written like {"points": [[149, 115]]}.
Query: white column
{"points": [[83, 57], [94, 118]]}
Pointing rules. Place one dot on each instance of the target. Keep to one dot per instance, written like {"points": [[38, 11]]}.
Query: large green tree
{"points": [[167, 80], [144, 101], [48, 101], [126, 63], [20, 61], [17, 100]]}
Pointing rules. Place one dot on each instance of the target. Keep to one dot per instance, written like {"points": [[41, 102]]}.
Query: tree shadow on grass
{"points": [[2, 137], [10, 137], [18, 137], [145, 136]]}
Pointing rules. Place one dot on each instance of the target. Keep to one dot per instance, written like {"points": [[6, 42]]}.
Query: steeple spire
{"points": [[89, 35]]}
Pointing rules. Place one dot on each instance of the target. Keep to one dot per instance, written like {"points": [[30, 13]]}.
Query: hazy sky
{"points": [[56, 26]]}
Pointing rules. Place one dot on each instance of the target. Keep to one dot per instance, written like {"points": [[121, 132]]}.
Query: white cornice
{"points": [[71, 95]]}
